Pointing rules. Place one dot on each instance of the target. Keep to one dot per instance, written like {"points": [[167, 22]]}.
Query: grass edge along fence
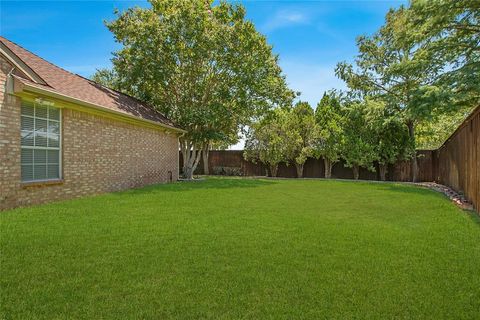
{"points": [[455, 164]]}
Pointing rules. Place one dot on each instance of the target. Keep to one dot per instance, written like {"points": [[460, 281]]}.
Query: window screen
{"points": [[40, 134]]}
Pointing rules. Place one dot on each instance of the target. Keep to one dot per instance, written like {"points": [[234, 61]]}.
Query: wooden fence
{"points": [[457, 161], [455, 164], [314, 168]]}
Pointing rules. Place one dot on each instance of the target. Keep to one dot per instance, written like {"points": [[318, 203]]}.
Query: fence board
{"points": [[458, 159], [314, 168]]}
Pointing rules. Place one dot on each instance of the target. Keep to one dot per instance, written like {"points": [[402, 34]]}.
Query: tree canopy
{"points": [[267, 141], [204, 66], [358, 145], [301, 128], [329, 119], [422, 63]]}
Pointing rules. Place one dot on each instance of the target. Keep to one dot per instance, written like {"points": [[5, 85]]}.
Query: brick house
{"points": [[64, 136]]}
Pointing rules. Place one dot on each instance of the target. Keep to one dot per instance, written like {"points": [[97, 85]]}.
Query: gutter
{"points": [[50, 93]]}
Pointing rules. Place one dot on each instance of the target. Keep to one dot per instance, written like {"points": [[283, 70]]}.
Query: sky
{"points": [[310, 37]]}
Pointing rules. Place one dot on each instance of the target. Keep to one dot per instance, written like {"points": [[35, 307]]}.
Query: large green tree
{"points": [[424, 62], [450, 31], [329, 119], [393, 67], [203, 65]]}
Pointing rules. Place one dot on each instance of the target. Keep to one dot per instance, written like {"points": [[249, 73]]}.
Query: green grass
{"points": [[243, 248]]}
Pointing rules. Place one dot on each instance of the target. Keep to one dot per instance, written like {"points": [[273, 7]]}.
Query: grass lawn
{"points": [[243, 248]]}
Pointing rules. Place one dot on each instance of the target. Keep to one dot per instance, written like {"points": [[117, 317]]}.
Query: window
{"points": [[40, 125]]}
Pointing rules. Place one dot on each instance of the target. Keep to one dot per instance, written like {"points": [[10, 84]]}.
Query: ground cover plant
{"points": [[243, 248]]}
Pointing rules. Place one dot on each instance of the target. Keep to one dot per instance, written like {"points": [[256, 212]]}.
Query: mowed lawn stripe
{"points": [[243, 248]]}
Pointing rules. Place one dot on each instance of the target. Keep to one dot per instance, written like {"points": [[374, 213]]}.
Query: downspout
{"points": [[9, 82]]}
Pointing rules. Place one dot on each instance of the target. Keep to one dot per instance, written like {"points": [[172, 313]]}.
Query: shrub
{"points": [[227, 171]]}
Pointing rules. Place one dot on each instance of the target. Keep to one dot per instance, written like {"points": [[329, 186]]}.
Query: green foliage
{"points": [[392, 67], [107, 78], [203, 65], [302, 132], [267, 140], [424, 61], [390, 135], [359, 140], [286, 135], [432, 134], [227, 171], [450, 31], [329, 119]]}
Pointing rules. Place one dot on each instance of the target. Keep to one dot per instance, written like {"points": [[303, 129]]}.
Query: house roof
{"points": [[43, 75]]}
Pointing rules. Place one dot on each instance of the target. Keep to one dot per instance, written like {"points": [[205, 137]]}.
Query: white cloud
{"points": [[285, 18]]}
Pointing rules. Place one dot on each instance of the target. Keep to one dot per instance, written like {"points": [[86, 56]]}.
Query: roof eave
{"points": [[20, 86], [20, 64]]}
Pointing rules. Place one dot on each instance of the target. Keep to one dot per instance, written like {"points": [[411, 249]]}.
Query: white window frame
{"points": [[59, 148]]}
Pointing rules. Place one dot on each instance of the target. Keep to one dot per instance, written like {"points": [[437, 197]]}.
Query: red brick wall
{"points": [[99, 155]]}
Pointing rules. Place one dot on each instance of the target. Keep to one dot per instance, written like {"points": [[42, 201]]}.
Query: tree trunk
{"points": [[205, 153], [414, 164], [328, 168], [383, 171], [274, 170], [356, 171], [299, 167], [185, 156], [191, 157]]}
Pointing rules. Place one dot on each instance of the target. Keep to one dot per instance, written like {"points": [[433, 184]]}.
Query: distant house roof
{"points": [[38, 73]]}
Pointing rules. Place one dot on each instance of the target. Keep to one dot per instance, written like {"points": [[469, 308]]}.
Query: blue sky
{"points": [[309, 36]]}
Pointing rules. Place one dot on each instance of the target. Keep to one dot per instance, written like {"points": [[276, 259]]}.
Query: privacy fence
{"points": [[457, 161], [231, 162], [455, 164]]}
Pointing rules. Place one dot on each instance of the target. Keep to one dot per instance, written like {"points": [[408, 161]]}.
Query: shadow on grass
{"points": [[474, 216], [405, 188], [209, 183]]}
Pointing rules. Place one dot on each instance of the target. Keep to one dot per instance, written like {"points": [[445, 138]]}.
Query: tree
{"points": [[392, 66], [359, 149], [203, 66], [433, 133], [450, 31], [267, 141], [390, 135], [329, 120], [301, 130]]}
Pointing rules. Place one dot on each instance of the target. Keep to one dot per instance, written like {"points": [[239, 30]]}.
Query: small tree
{"points": [[301, 130], [390, 135], [359, 149], [329, 121], [267, 142]]}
